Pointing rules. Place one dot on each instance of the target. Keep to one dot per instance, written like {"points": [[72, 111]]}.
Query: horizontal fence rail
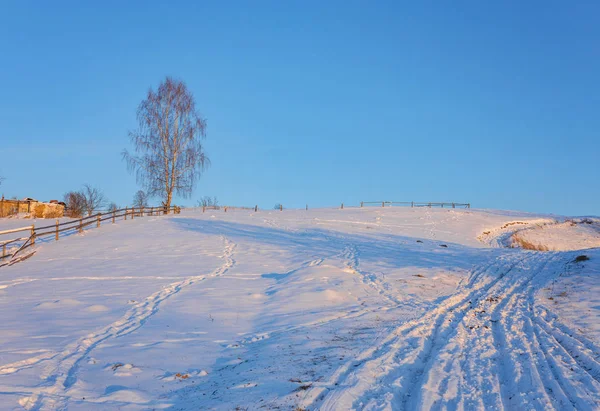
{"points": [[414, 204], [362, 204], [55, 230]]}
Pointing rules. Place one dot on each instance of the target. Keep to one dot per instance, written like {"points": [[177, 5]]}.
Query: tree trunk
{"points": [[168, 202]]}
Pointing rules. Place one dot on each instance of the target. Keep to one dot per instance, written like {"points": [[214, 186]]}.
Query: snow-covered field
{"points": [[374, 308]]}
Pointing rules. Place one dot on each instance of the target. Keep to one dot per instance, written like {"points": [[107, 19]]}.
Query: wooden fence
{"points": [[69, 227], [362, 204], [413, 204]]}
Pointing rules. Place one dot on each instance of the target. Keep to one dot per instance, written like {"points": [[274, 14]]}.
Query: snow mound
{"points": [[567, 236]]}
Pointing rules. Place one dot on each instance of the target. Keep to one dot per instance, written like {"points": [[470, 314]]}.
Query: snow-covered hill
{"points": [[374, 308]]}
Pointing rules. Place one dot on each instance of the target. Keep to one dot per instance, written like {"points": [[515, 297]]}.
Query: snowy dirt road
{"points": [[393, 309], [487, 346]]}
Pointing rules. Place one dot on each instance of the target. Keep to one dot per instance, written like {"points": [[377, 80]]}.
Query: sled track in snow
{"points": [[485, 346], [61, 371]]}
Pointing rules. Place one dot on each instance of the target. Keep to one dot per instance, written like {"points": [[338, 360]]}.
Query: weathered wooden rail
{"points": [[414, 204], [73, 226], [362, 204]]}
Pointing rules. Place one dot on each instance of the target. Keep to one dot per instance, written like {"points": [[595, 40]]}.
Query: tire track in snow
{"points": [[487, 346], [582, 350], [573, 363], [463, 372], [447, 335], [378, 367], [515, 348], [61, 374]]}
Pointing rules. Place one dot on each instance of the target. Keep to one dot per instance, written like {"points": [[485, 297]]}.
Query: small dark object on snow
{"points": [[581, 258], [419, 241], [443, 245], [304, 387]]}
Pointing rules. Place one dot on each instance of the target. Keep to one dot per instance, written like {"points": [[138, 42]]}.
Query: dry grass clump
{"points": [[518, 241], [512, 223]]}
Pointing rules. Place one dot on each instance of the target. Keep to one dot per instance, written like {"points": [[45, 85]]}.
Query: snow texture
{"points": [[361, 308]]}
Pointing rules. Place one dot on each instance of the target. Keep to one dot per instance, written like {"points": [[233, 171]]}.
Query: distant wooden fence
{"points": [[58, 229], [413, 204], [362, 204]]}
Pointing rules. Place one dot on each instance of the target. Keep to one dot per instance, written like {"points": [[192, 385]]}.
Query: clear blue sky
{"points": [[318, 102]]}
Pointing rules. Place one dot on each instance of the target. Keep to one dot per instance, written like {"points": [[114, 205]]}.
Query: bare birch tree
{"points": [[169, 156]]}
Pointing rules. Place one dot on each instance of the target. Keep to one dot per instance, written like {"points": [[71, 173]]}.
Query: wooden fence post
{"points": [[56, 237], [80, 226], [132, 212], [142, 210], [3, 250], [342, 206], [125, 213], [203, 208], [307, 207], [452, 205], [383, 203], [32, 234], [361, 204], [280, 207], [113, 219], [412, 204], [98, 220]]}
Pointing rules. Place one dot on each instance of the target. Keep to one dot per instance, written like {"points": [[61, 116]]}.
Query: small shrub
{"points": [[208, 201]]}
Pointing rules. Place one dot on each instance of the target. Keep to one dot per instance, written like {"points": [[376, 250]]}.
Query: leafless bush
{"points": [[140, 199], [113, 207], [278, 207], [94, 199], [207, 201], [75, 201]]}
